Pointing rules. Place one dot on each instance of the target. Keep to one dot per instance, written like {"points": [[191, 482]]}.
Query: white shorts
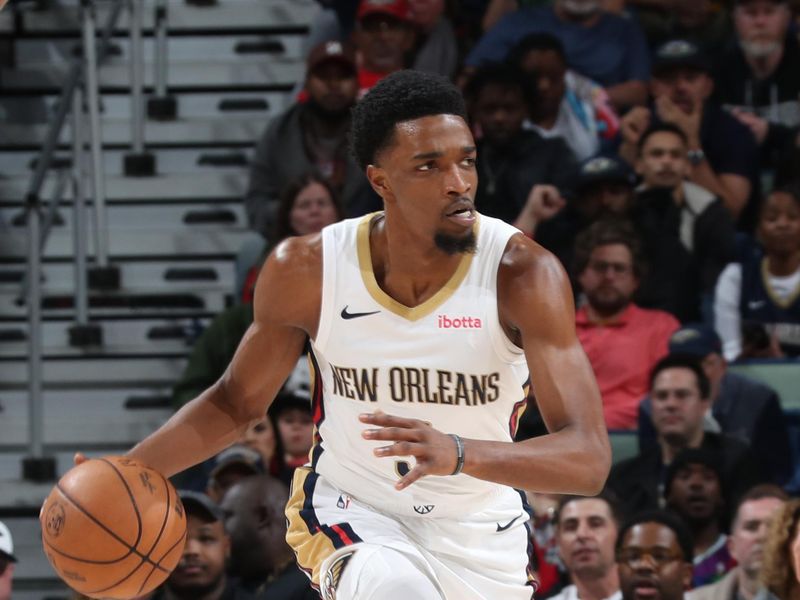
{"points": [[485, 556]]}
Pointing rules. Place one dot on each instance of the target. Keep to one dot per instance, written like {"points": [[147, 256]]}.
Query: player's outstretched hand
{"points": [[434, 452]]}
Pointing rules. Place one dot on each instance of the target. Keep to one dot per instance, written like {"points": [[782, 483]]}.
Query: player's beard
{"points": [[451, 245]]}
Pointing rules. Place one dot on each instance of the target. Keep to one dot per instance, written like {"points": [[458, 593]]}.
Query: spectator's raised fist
{"points": [[634, 124]]}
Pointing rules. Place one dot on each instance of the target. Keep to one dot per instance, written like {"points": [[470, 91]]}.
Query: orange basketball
{"points": [[113, 528]]}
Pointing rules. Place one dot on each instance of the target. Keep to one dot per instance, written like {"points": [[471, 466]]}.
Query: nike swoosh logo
{"points": [[355, 315], [509, 524]]}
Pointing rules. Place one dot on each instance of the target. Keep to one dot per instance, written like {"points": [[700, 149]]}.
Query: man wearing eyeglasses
{"points": [[654, 555], [622, 340], [7, 560]]}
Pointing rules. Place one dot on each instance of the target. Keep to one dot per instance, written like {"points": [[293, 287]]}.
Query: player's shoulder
{"points": [[291, 279], [296, 255], [524, 259]]}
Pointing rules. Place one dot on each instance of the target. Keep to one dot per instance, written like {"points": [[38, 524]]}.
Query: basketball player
{"points": [[424, 322]]}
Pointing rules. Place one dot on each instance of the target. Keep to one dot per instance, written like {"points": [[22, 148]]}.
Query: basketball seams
{"points": [[132, 550], [86, 560], [76, 504], [161, 531], [167, 553], [152, 561], [133, 500]]}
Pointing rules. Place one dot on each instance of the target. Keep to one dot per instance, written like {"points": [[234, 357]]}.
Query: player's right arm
{"points": [[286, 311]]}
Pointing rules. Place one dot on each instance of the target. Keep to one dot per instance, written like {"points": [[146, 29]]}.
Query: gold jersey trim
{"points": [[407, 312]]}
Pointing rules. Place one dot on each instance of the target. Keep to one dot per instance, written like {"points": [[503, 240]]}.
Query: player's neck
{"points": [[408, 268], [598, 588]]}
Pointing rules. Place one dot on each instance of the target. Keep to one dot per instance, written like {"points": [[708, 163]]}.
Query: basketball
{"points": [[113, 528]]}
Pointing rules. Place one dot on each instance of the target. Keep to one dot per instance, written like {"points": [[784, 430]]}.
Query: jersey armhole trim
{"points": [[328, 287]]}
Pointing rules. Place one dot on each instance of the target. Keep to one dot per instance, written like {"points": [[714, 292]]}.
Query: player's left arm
{"points": [[536, 307], [537, 310]]}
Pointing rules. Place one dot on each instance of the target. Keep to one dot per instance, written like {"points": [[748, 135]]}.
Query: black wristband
{"points": [[459, 454]]}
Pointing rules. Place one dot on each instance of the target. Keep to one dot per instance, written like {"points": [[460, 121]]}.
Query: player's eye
{"points": [[469, 161], [426, 166]]}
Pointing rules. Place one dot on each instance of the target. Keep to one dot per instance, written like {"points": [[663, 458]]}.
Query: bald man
{"points": [[260, 556]]}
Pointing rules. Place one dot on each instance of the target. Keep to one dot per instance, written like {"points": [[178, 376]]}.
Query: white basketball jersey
{"points": [[446, 361]]}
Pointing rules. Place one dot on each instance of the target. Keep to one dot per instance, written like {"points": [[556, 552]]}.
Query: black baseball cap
{"points": [[604, 168], [332, 51], [199, 503], [240, 457], [693, 456], [679, 53], [695, 339]]}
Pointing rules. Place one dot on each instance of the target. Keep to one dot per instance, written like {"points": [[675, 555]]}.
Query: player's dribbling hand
{"points": [[434, 452]]}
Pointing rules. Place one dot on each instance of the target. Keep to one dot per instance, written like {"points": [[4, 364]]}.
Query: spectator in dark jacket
{"points": [[759, 77], [740, 406], [680, 393], [689, 235], [511, 160], [722, 153], [311, 135]]}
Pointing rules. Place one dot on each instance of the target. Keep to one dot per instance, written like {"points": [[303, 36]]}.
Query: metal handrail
{"points": [[64, 105], [37, 466]]}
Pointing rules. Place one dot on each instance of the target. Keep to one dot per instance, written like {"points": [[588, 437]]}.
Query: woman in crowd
{"points": [[780, 571]]}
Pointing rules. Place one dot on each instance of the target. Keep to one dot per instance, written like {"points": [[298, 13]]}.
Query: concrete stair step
{"points": [[93, 371], [245, 73], [174, 161], [85, 417], [227, 15], [175, 186], [238, 130]]}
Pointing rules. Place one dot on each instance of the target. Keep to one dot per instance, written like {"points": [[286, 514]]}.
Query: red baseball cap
{"points": [[332, 51], [398, 9]]}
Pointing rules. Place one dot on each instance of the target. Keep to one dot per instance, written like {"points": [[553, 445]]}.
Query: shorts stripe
{"points": [[317, 407], [311, 541]]}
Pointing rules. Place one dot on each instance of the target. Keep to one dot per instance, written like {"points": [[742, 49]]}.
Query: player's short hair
{"points": [[606, 232], [398, 97], [683, 361], [607, 496], [534, 42], [662, 517], [661, 128]]}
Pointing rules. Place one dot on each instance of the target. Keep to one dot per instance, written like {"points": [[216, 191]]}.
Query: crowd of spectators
{"points": [[654, 147]]}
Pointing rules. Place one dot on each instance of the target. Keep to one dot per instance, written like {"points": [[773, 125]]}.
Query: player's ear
{"points": [[379, 181]]}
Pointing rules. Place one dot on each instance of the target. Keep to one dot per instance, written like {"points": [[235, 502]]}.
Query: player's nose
{"points": [[456, 181]]}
